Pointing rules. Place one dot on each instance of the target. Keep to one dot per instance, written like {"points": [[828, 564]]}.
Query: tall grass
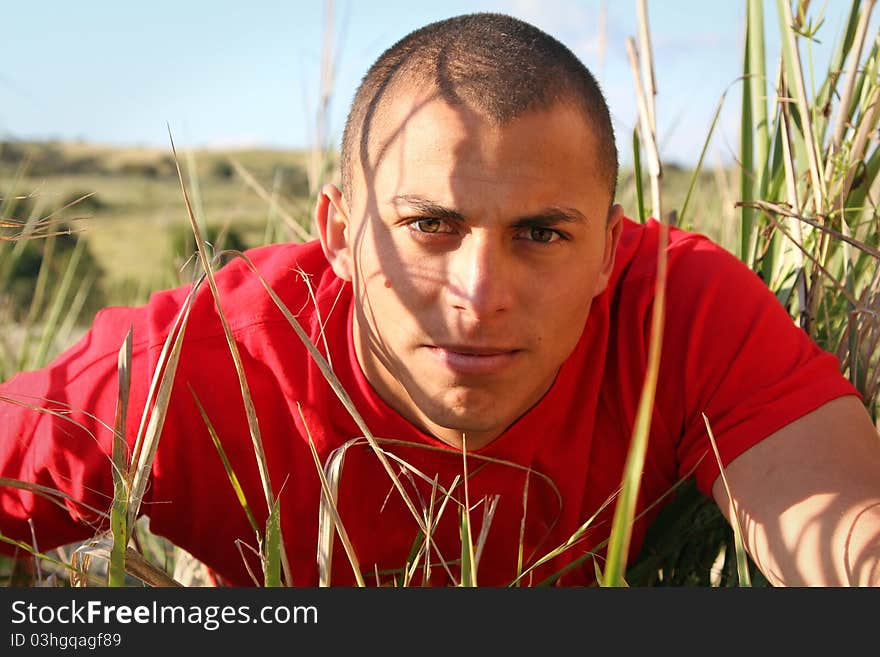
{"points": [[624, 513], [808, 222], [61, 285], [812, 230]]}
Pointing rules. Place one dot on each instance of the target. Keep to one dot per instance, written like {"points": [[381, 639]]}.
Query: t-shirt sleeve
{"points": [[56, 433], [733, 353]]}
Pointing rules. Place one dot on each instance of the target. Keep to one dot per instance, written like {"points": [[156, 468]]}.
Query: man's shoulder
{"points": [[275, 264], [688, 253], [250, 289]]}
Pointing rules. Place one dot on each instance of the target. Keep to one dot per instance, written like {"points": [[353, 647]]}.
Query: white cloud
{"points": [[578, 26]]}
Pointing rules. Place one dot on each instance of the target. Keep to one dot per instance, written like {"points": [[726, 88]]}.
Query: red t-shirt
{"points": [[730, 351]]}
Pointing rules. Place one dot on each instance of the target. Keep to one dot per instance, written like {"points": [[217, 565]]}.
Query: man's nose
{"points": [[479, 276]]}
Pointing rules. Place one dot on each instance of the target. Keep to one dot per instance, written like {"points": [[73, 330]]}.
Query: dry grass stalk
{"points": [[253, 423], [791, 193], [156, 405], [647, 61], [771, 210], [328, 514], [335, 385], [301, 233], [522, 527], [135, 564], [846, 96], [741, 562], [328, 505], [782, 210], [489, 507], [319, 151], [52, 494], [646, 132], [863, 137], [810, 143]]}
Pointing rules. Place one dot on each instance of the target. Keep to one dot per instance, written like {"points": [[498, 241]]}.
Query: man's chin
{"points": [[447, 407], [479, 423]]}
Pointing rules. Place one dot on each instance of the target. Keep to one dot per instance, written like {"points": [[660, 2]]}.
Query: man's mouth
{"points": [[474, 360]]}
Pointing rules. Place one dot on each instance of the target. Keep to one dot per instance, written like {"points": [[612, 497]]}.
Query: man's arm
{"points": [[808, 499], [56, 432]]}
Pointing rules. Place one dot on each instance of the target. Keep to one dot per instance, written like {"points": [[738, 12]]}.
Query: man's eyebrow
{"points": [[551, 216], [546, 217], [426, 207]]}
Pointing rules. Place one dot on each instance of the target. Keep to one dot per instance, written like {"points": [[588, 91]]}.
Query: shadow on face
{"points": [[475, 249]]}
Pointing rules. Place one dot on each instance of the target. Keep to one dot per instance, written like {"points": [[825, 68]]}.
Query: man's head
{"points": [[493, 64], [476, 229]]}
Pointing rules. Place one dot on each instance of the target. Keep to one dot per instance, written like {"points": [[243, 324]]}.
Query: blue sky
{"points": [[228, 73]]}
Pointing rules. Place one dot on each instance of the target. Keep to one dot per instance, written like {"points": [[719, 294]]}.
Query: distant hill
{"points": [[49, 158], [127, 202]]}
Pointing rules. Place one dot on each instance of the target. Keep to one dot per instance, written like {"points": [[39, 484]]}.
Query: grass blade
{"points": [[57, 497], [338, 389], [637, 175], [747, 137], [699, 167], [647, 133], [327, 494], [155, 409], [253, 423], [295, 227], [742, 565], [794, 70], [39, 555], [844, 117], [758, 92], [572, 540], [119, 511], [468, 562], [621, 532], [272, 548], [233, 479], [60, 301]]}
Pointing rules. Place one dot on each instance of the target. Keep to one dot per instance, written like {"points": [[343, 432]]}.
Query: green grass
{"points": [[136, 209]]}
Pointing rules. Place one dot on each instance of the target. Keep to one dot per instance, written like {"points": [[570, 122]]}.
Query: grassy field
{"points": [[134, 219]]}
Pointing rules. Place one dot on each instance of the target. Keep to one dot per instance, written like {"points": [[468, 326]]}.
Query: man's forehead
{"points": [[427, 117], [406, 109]]}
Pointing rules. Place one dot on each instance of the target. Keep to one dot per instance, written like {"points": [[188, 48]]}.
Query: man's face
{"points": [[475, 251]]}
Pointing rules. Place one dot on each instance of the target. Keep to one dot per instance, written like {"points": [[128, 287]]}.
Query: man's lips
{"points": [[474, 360]]}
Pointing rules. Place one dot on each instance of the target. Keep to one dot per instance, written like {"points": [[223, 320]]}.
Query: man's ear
{"points": [[332, 219], [613, 230]]}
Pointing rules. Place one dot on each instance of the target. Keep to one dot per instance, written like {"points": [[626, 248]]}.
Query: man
{"points": [[486, 306]]}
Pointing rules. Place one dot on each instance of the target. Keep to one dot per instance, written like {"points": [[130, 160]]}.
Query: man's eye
{"points": [[540, 235], [430, 226]]}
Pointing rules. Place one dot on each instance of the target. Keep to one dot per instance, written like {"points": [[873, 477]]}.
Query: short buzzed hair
{"points": [[492, 63]]}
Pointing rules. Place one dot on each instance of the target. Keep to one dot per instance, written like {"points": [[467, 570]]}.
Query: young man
{"points": [[486, 306]]}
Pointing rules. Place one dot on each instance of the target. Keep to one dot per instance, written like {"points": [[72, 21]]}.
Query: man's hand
{"points": [[808, 499]]}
